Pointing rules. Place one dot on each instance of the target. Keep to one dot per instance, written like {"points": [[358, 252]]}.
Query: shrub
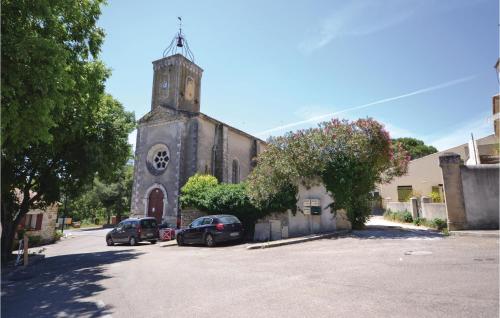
{"points": [[417, 221], [398, 216], [436, 197], [406, 217], [439, 224], [34, 240], [203, 192], [57, 235], [195, 191]]}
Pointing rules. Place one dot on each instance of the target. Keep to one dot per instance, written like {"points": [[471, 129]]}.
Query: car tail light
{"points": [[219, 227]]}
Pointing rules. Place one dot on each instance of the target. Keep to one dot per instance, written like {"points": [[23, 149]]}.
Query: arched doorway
{"points": [[155, 204]]}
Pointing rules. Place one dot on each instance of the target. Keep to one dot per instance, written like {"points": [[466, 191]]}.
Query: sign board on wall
{"points": [[312, 206]]}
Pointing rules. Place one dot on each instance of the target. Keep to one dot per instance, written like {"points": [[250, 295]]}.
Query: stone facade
{"points": [[175, 141], [41, 223]]}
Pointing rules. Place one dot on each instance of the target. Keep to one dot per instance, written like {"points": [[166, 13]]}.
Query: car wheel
{"points": [[209, 240], [180, 240], [132, 241], [109, 241], [153, 242]]}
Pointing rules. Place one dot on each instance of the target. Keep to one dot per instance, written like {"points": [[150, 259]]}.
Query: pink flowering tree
{"points": [[349, 157]]}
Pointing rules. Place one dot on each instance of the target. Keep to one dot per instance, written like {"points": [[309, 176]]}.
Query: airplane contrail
{"points": [[381, 101]]}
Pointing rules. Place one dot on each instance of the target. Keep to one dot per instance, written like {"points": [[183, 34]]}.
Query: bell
{"points": [[179, 42]]}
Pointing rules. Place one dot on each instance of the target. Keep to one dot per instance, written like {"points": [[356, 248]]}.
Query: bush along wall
{"points": [[205, 193], [405, 217]]}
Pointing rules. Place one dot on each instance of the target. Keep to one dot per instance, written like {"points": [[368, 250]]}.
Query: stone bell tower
{"points": [[177, 79]]}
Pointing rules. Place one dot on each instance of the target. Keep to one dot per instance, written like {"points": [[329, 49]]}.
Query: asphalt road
{"points": [[376, 273]]}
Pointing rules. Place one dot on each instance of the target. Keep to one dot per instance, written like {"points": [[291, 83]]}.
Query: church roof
{"points": [[241, 132], [160, 114]]}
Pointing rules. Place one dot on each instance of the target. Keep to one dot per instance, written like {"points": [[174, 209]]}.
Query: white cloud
{"points": [[365, 17], [358, 18], [397, 132], [318, 118]]}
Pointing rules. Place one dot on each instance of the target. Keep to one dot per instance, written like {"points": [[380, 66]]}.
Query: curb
{"points": [[295, 241], [493, 233]]}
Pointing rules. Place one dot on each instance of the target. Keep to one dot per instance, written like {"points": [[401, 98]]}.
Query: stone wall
{"points": [[284, 225], [481, 195], [399, 206], [432, 211], [471, 192], [188, 215]]}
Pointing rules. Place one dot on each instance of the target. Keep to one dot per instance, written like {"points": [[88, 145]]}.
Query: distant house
{"points": [[40, 222], [424, 174]]}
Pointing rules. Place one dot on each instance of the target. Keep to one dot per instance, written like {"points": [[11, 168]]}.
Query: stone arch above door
{"points": [[147, 194]]}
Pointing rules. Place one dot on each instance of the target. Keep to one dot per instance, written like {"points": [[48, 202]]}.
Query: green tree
{"points": [[349, 158], [58, 126], [104, 198], [415, 147]]}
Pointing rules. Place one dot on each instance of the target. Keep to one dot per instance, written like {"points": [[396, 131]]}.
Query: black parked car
{"points": [[211, 229], [132, 231]]}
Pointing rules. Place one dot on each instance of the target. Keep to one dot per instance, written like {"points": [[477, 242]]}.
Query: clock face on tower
{"points": [[164, 85], [189, 90]]}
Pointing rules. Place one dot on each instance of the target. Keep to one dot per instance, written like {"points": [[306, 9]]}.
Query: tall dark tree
{"points": [[58, 126], [415, 147], [105, 197]]}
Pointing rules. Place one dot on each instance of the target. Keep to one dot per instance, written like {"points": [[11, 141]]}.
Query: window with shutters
{"points": [[39, 220]]}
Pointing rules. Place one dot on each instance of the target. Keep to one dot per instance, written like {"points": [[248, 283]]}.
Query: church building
{"points": [[175, 140]]}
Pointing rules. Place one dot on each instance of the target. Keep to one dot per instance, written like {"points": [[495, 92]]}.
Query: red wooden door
{"points": [[155, 206]]}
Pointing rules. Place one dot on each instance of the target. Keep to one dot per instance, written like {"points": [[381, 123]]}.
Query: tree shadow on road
{"points": [[394, 232], [58, 286]]}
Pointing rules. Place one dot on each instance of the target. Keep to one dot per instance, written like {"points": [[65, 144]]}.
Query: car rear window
{"points": [[148, 224], [228, 219]]}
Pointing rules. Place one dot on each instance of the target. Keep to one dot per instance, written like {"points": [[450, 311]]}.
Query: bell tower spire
{"points": [[179, 44], [177, 79]]}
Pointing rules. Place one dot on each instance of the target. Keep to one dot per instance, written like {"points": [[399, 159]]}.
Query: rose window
{"points": [[157, 159], [160, 160]]}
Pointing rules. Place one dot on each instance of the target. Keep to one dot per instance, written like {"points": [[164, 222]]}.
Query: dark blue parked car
{"points": [[210, 230]]}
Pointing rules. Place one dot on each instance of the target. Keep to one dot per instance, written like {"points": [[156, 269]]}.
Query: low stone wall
{"points": [[399, 206], [284, 225], [432, 211], [481, 195], [188, 215]]}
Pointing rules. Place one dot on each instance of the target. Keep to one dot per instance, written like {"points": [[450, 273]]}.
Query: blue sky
{"points": [[424, 68]]}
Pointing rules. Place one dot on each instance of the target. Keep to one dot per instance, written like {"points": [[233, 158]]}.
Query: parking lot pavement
{"points": [[376, 273]]}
